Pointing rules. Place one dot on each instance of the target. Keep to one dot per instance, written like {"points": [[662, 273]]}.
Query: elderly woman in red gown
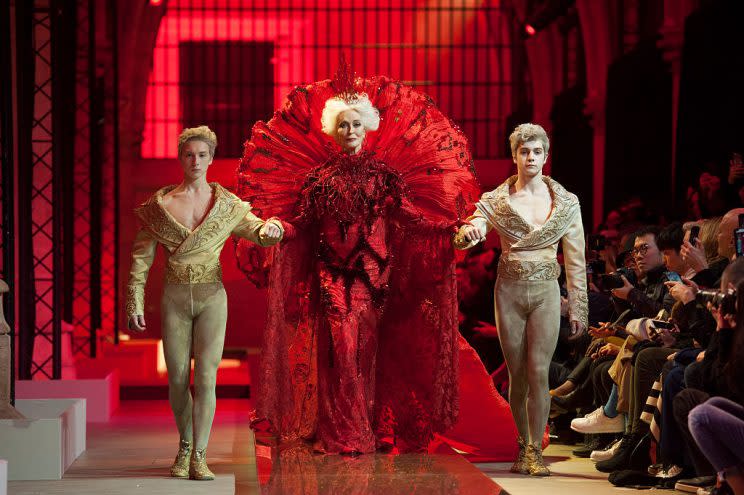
{"points": [[361, 345]]}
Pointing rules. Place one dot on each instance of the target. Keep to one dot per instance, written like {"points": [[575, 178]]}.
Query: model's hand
{"points": [[270, 231], [471, 233], [694, 256], [577, 330], [137, 322], [622, 292]]}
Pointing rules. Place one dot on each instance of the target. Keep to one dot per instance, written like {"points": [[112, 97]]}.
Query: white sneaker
{"points": [[603, 455], [597, 422], [655, 469], [669, 471]]}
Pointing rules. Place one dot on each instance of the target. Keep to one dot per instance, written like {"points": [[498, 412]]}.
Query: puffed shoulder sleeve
{"points": [[143, 254], [575, 264], [249, 227]]}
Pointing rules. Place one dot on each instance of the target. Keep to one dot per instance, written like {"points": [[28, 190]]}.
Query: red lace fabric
{"points": [[361, 342]]}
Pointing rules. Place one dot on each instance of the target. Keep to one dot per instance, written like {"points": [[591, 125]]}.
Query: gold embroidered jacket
{"points": [[193, 255], [529, 253]]}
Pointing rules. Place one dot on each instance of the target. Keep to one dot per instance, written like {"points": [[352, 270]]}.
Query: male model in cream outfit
{"points": [[531, 214], [192, 220]]}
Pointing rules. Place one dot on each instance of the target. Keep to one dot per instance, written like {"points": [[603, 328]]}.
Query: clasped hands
{"points": [[270, 231], [471, 233]]}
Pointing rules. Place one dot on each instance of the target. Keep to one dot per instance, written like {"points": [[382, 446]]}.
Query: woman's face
{"points": [[195, 159], [349, 131]]}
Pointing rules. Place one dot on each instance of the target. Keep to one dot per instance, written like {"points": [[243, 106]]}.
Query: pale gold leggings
{"points": [[528, 316], [193, 316]]}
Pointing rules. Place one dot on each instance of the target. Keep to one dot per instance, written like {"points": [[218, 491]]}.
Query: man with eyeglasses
{"points": [[651, 295], [644, 300]]}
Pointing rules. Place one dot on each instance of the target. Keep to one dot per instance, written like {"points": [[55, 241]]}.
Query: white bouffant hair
{"points": [[370, 116]]}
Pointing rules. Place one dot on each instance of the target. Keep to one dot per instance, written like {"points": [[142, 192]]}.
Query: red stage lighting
{"points": [[529, 30], [156, 3]]}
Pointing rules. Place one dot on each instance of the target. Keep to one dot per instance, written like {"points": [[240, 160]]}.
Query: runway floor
{"points": [[132, 453]]}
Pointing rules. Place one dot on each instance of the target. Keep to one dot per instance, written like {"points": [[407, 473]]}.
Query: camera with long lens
{"points": [[725, 301], [614, 281]]}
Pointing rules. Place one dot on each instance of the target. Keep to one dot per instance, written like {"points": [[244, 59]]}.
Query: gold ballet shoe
{"points": [[198, 469], [520, 465], [535, 463], [180, 467]]}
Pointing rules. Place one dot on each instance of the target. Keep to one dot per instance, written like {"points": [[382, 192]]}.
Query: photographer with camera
{"points": [[649, 295], [695, 368], [717, 425], [633, 298], [642, 360], [692, 315], [712, 374]]}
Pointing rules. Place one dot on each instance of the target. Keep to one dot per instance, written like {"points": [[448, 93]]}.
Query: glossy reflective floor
{"points": [[297, 471], [132, 454]]}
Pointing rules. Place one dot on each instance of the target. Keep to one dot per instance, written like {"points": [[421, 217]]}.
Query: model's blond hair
{"points": [[528, 132], [201, 133]]}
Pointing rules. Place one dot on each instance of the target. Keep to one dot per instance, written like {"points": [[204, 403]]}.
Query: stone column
{"points": [[670, 43], [596, 111], [596, 28], [7, 411]]}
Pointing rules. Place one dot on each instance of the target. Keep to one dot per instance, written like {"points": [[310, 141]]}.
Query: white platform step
{"points": [[45, 444], [3, 477], [100, 389], [223, 484]]}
